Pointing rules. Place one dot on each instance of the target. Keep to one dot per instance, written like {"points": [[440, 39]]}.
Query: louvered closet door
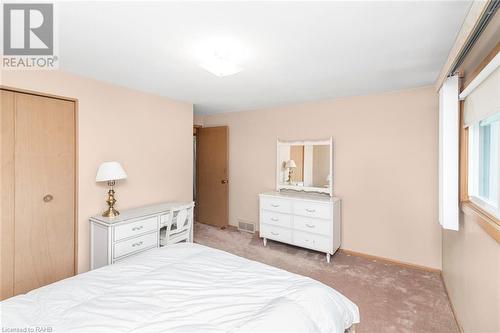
{"points": [[44, 191]]}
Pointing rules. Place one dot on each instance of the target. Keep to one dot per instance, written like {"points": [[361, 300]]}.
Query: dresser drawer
{"points": [[135, 244], [312, 241], [276, 204], [279, 219], [317, 226], [312, 209], [276, 233], [135, 228]]}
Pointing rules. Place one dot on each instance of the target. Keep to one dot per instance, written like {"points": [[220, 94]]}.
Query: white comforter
{"points": [[182, 288]]}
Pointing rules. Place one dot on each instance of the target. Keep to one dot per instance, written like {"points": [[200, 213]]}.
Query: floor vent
{"points": [[246, 226]]}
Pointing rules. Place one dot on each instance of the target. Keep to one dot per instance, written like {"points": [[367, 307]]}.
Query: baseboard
{"points": [[392, 261]]}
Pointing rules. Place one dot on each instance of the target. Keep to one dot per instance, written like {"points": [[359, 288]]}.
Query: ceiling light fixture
{"points": [[221, 56], [220, 66]]}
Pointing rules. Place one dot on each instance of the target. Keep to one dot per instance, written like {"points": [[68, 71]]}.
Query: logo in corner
{"points": [[28, 36]]}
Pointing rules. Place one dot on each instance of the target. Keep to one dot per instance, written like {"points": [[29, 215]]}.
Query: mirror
{"points": [[304, 165]]}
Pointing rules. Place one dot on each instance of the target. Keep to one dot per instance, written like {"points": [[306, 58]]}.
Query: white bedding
{"points": [[183, 288]]}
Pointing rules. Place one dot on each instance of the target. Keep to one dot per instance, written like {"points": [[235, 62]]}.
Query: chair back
{"points": [[179, 227], [183, 220]]}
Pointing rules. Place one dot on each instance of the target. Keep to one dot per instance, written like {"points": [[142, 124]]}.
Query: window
{"points": [[484, 156]]}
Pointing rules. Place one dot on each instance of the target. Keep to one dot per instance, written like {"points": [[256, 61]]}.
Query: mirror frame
{"points": [[324, 190]]}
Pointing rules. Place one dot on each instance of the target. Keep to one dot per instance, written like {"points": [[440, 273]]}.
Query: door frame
{"points": [[195, 169], [75, 213]]}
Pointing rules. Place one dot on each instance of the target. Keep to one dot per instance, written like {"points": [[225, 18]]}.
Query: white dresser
{"points": [[132, 232], [307, 220]]}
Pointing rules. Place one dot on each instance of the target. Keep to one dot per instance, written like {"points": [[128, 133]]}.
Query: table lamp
{"points": [[290, 165], [110, 172]]}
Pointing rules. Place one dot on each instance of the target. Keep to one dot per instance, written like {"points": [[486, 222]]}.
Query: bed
{"points": [[184, 287]]}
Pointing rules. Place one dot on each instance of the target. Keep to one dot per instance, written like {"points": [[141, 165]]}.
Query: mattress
{"points": [[182, 288]]}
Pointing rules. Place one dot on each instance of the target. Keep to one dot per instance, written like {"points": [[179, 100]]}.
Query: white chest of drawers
{"points": [[132, 232], [306, 220]]}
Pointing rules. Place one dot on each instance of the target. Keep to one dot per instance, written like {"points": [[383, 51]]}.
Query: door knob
{"points": [[48, 198], [224, 181]]}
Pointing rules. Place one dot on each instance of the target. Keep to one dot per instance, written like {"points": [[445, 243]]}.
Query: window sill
{"points": [[487, 221], [486, 206]]}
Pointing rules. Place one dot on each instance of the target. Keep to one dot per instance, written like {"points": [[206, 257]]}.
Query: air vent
{"points": [[246, 226]]}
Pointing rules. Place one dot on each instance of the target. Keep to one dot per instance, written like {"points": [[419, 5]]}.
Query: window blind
{"points": [[483, 99]]}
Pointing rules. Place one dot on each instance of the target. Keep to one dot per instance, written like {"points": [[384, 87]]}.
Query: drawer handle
{"points": [[137, 228], [137, 244], [275, 219], [275, 233], [275, 205], [310, 210], [310, 225]]}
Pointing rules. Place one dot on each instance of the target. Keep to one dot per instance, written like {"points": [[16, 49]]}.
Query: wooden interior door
{"points": [[44, 191], [7, 195], [212, 183]]}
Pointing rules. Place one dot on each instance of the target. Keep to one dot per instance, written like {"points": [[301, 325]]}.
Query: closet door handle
{"points": [[48, 198]]}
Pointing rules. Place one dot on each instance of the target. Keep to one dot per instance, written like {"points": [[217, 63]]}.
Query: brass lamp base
{"points": [[290, 175], [111, 211]]}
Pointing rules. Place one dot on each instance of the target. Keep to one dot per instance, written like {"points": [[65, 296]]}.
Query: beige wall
{"points": [[385, 166], [198, 120], [471, 272], [150, 135]]}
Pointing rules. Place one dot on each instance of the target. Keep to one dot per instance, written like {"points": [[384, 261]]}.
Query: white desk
{"points": [[133, 231]]}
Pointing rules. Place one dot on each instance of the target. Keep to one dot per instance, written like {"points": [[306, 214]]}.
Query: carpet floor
{"points": [[390, 297]]}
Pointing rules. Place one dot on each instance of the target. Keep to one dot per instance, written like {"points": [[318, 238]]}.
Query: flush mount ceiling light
{"points": [[221, 56], [220, 66]]}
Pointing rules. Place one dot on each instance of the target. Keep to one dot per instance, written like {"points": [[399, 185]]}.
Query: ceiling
{"points": [[293, 51]]}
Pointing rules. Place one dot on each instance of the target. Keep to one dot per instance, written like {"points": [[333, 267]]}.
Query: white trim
{"points": [[483, 75], [473, 153], [304, 142], [474, 161], [326, 190]]}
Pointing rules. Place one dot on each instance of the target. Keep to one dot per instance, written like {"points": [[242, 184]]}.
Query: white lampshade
{"points": [[290, 164], [110, 171]]}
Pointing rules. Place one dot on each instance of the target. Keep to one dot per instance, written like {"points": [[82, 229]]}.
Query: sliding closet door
{"points": [[44, 191], [7, 197]]}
